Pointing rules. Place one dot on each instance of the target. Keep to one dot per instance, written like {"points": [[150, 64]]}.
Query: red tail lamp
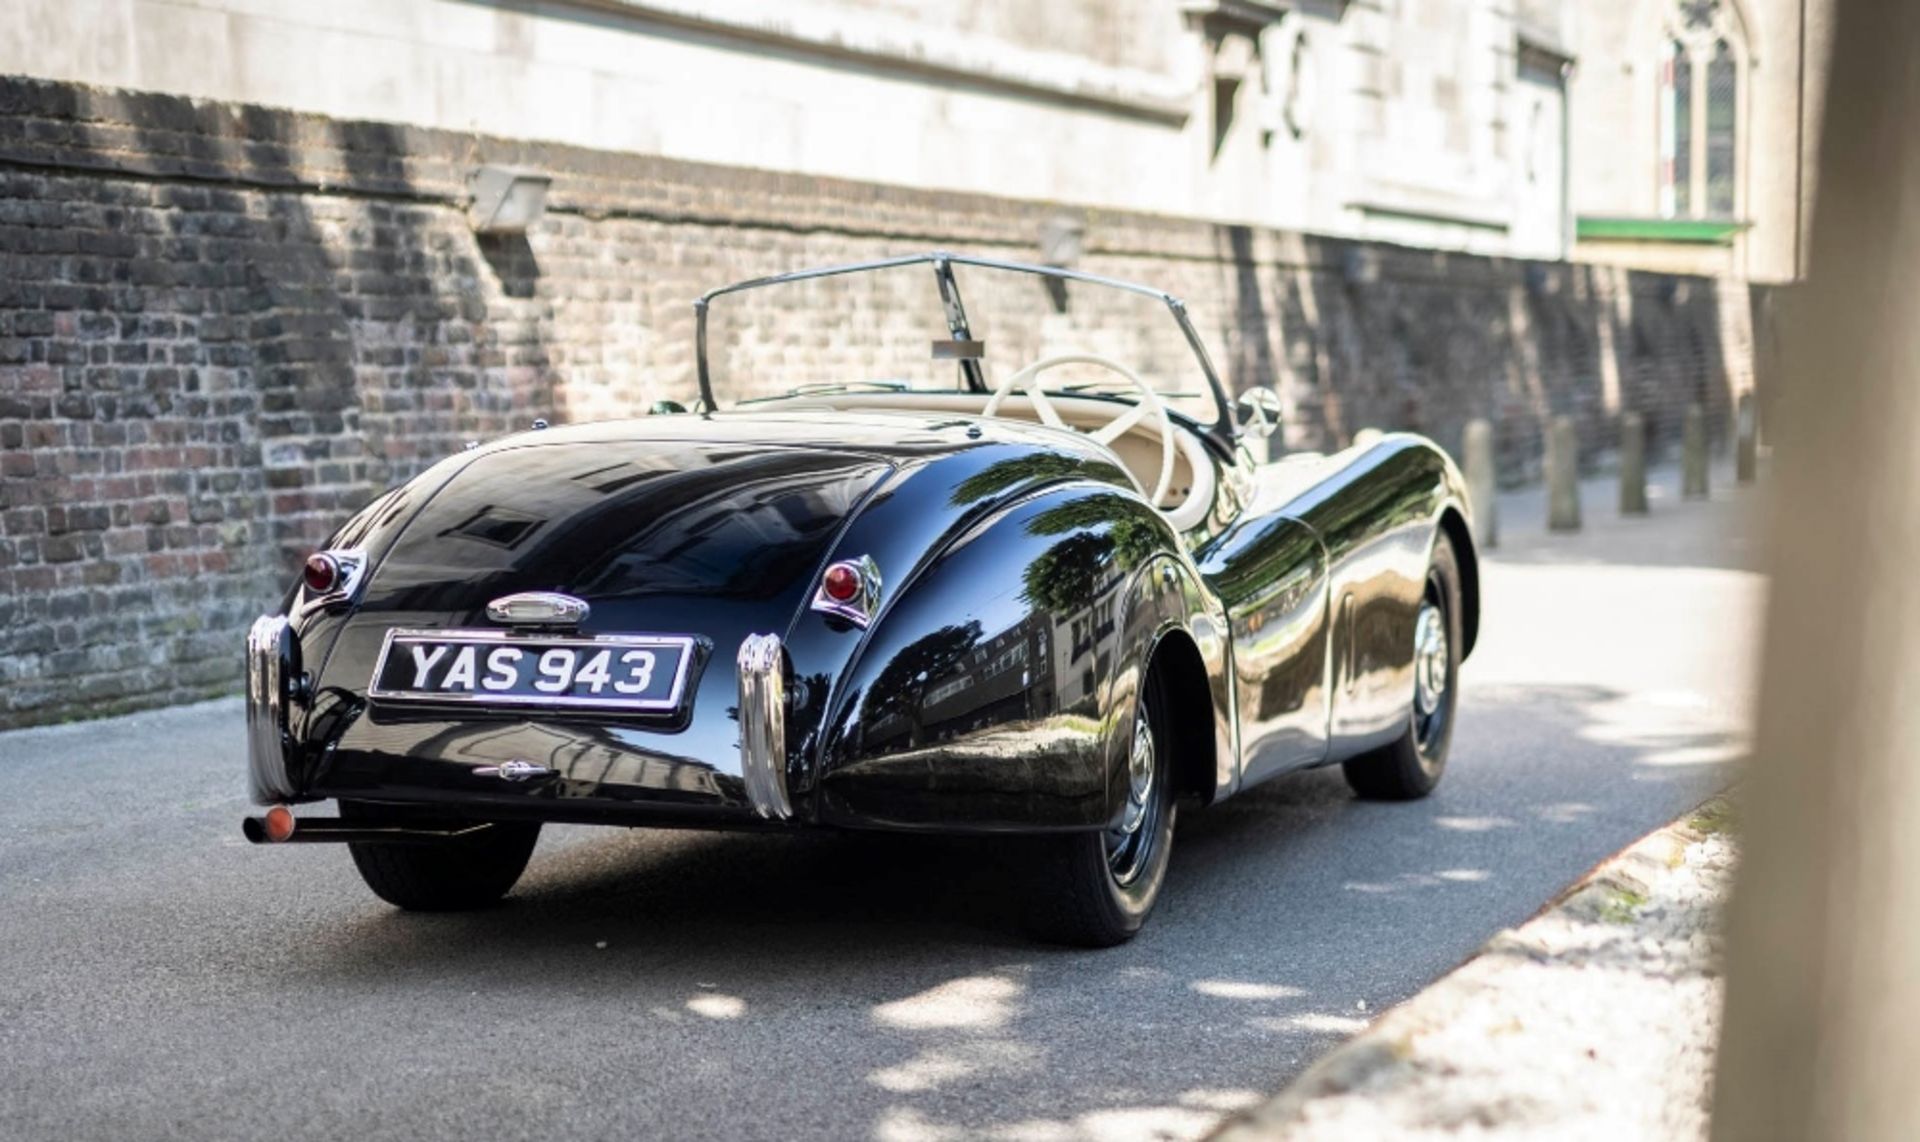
{"points": [[321, 573], [842, 583]]}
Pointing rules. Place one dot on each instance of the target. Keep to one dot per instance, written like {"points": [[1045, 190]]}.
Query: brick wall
{"points": [[222, 328]]}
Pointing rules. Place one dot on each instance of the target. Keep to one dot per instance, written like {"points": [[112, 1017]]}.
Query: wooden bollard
{"points": [[1693, 454], [1563, 476], [1746, 456], [1483, 486], [1633, 464]]}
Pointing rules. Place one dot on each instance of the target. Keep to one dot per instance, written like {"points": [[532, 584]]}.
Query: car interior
{"points": [[1190, 491]]}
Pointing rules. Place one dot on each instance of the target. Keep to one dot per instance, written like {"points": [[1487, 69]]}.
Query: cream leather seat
{"points": [[1189, 497]]}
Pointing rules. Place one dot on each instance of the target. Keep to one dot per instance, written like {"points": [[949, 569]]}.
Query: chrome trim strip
{"points": [[538, 608], [686, 644], [859, 611], [271, 662], [762, 666]]}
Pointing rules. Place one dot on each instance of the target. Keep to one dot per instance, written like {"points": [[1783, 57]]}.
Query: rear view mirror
{"points": [[1257, 412]]}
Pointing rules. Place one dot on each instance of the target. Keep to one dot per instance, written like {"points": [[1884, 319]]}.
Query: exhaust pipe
{"points": [[278, 826]]}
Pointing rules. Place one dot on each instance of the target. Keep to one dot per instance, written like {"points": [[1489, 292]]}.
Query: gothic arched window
{"points": [[1700, 112]]}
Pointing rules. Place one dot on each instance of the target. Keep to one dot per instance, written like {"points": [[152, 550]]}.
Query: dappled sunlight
{"points": [[1698, 755], [1414, 880], [1316, 1022], [934, 1068], [1564, 812], [1472, 824], [974, 1003], [717, 1006], [1241, 989], [1225, 1101]]}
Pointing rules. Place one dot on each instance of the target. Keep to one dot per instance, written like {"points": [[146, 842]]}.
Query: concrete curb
{"points": [[1387, 1043]]}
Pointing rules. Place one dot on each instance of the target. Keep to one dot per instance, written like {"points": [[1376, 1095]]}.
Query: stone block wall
{"points": [[223, 327]]}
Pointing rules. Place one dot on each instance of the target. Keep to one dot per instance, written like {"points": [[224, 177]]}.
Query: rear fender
{"points": [[995, 690]]}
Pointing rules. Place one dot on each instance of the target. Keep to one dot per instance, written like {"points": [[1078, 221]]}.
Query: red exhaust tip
{"points": [[278, 824]]}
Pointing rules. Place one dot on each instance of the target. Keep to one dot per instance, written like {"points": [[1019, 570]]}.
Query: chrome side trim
{"points": [[272, 661], [538, 608], [762, 666], [858, 611]]}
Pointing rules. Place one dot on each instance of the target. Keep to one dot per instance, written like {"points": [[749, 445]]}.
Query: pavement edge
{"points": [[1384, 1044]]}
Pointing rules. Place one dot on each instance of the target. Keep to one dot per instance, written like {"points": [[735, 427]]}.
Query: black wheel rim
{"points": [[1131, 844], [1432, 669]]}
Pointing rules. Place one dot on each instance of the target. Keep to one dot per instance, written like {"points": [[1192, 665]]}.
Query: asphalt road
{"points": [[159, 978]]}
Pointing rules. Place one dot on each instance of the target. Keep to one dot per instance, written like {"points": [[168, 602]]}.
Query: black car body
{"points": [[870, 607]]}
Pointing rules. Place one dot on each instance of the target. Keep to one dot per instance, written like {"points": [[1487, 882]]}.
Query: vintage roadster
{"points": [[943, 544]]}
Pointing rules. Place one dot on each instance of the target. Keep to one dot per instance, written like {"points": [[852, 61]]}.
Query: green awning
{"points": [[1697, 231]]}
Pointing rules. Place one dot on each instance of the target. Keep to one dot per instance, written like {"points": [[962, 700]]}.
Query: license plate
{"points": [[621, 672]]}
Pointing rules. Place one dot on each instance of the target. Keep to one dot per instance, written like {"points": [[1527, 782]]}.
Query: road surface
{"points": [[165, 980]]}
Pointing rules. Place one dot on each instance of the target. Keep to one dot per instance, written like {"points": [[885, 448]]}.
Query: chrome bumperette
{"points": [[859, 610], [763, 724], [272, 666]]}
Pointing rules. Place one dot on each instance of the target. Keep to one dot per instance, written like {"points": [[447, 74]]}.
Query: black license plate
{"points": [[619, 672]]}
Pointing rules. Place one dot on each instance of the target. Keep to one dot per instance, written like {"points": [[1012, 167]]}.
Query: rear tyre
{"points": [[1095, 890], [1412, 766], [447, 876]]}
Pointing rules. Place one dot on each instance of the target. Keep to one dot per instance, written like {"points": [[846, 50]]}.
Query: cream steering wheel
{"points": [[1149, 406]]}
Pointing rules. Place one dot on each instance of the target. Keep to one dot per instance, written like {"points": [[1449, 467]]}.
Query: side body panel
{"points": [[1321, 578], [1270, 572], [1376, 517]]}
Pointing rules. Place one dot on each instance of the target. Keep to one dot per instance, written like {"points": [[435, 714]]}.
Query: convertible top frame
{"points": [[1223, 430]]}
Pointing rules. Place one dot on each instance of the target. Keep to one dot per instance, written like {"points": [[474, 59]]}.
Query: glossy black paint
{"points": [[1027, 589]]}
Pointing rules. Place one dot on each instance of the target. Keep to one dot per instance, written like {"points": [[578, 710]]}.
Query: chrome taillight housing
{"points": [[849, 589], [331, 576]]}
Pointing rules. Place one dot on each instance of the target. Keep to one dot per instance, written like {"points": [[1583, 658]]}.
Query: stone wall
{"points": [[224, 327]]}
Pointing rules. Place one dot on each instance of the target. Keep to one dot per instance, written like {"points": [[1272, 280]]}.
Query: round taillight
{"points": [[842, 583], [322, 573]]}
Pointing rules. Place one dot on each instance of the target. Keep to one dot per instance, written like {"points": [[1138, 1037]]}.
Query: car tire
{"points": [[1411, 766], [1095, 890], [447, 876]]}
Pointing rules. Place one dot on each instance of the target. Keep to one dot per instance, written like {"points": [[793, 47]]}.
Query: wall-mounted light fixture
{"points": [[1063, 239], [506, 200]]}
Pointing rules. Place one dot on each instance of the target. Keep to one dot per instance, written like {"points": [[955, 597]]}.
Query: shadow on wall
{"points": [[1395, 338], [377, 333]]}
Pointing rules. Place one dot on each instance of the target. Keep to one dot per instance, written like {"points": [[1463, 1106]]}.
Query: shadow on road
{"points": [[895, 968]]}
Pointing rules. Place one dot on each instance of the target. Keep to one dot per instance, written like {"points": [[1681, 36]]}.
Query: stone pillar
{"points": [[1821, 1039], [1747, 441], [1563, 476], [1693, 454], [1483, 484], [1633, 464]]}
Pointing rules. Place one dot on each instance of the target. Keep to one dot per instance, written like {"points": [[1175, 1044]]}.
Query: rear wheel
{"points": [[444, 876], [1411, 766], [1095, 890]]}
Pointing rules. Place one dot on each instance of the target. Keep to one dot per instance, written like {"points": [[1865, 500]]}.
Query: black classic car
{"points": [[876, 576]]}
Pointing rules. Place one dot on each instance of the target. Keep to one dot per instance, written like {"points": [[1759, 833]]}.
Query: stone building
{"points": [[242, 289], [1694, 133]]}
